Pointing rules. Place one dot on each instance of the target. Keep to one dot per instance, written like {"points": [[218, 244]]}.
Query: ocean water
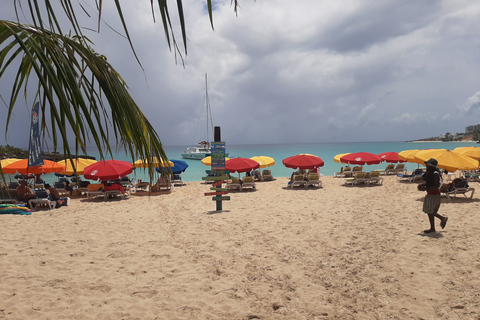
{"points": [[326, 151]]}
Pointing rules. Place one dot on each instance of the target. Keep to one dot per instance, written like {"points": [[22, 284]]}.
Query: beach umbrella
{"points": [[472, 152], [241, 165], [391, 157], [338, 156], [23, 168], [303, 161], [408, 155], [107, 170], [264, 161], [208, 160], [142, 163], [447, 159], [361, 158], [179, 166], [79, 163]]}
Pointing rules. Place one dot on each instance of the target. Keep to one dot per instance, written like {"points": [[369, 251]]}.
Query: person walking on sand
{"points": [[431, 203]]}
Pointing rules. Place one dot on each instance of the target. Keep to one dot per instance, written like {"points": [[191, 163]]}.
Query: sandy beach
{"points": [[335, 252]]}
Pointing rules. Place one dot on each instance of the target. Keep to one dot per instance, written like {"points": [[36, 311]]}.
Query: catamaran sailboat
{"points": [[203, 148]]}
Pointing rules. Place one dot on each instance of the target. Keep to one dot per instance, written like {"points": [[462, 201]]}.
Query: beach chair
{"points": [[248, 182], [83, 186], [313, 179], [8, 196], [13, 185], [177, 180], [344, 172], [267, 175], [42, 200], [400, 168], [360, 177], [415, 175], [142, 186], [95, 190], [298, 180], [234, 184], [458, 186], [257, 175], [390, 169], [375, 178], [163, 183], [60, 186]]}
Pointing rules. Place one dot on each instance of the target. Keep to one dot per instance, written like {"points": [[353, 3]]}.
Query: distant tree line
{"points": [[9, 151]]}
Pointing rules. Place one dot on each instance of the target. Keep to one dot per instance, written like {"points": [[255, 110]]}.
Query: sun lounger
{"points": [[313, 179], [344, 172], [358, 178], [60, 186], [95, 190], [267, 175], [8, 196], [234, 184], [390, 169], [375, 178], [248, 182], [42, 200], [298, 180], [177, 180], [415, 175], [163, 184], [400, 168], [460, 187]]}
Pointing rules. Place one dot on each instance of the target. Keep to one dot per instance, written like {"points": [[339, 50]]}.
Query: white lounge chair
{"points": [[234, 184], [313, 179], [461, 188], [42, 200], [248, 182], [375, 177], [298, 180]]}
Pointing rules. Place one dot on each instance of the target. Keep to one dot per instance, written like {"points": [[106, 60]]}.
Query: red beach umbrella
{"points": [[391, 157], [23, 168], [241, 165], [303, 161], [361, 158], [107, 170]]}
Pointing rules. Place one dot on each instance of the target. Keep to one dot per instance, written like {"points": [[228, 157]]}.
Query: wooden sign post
{"points": [[218, 172]]}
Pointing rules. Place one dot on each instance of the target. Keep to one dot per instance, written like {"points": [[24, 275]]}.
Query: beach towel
{"points": [[14, 209]]}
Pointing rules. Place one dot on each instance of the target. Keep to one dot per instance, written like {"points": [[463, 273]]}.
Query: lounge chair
{"points": [[13, 185], [83, 186], [177, 180], [375, 177], [298, 180], [267, 175], [313, 179], [390, 169], [8, 196], [458, 186], [415, 175], [60, 186], [400, 168], [248, 182], [257, 175], [42, 200], [344, 172], [234, 184], [358, 178], [95, 190], [163, 184]]}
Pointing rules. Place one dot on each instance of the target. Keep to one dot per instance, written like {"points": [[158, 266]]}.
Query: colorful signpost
{"points": [[218, 172]]}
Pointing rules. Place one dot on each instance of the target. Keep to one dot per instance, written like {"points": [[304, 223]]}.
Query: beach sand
{"points": [[335, 252]]}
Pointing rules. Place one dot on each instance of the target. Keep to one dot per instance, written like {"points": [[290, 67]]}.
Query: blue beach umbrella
{"points": [[179, 166]]}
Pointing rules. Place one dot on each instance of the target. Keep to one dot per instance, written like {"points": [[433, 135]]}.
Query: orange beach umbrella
{"points": [[23, 168]]}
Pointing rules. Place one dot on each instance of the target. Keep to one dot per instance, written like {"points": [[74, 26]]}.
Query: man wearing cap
{"points": [[431, 203]]}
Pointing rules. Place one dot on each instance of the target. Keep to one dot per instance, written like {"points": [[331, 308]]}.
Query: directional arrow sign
{"points": [[215, 193], [216, 178], [218, 189], [220, 198], [218, 183]]}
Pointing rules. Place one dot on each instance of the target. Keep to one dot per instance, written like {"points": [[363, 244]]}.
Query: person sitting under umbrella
{"points": [[55, 196], [24, 193]]}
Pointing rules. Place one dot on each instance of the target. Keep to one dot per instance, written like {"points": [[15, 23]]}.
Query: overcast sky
{"points": [[301, 71]]}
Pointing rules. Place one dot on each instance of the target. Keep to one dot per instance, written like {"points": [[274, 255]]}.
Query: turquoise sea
{"points": [[326, 151]]}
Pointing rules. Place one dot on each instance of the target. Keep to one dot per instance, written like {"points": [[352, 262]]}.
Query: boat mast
{"points": [[209, 111]]}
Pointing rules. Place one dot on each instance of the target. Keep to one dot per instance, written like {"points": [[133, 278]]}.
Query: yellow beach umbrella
{"points": [[409, 155], [472, 152], [448, 160], [208, 160], [79, 163], [338, 156], [264, 161], [6, 162], [142, 163]]}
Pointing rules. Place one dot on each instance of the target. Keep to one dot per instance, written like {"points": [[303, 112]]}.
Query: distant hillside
{"points": [[8, 151]]}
